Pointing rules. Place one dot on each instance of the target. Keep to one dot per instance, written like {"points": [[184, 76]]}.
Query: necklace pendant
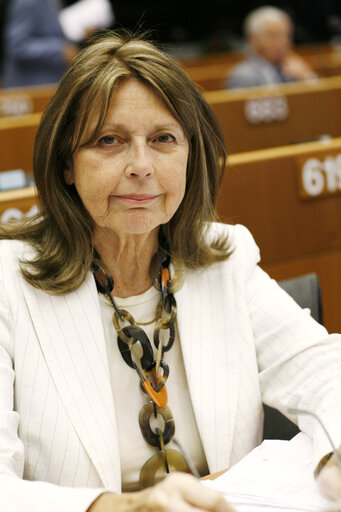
{"points": [[155, 468]]}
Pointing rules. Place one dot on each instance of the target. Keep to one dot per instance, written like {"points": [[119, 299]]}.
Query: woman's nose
{"points": [[140, 161]]}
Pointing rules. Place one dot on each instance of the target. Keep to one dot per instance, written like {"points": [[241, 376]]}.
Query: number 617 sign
{"points": [[319, 175]]}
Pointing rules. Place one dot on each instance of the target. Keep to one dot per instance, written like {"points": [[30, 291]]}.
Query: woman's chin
{"points": [[141, 222], [138, 222], [138, 227]]}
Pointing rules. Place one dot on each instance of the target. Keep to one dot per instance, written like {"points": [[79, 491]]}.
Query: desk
{"points": [[25, 100], [17, 134], [18, 204], [296, 234], [261, 117]]}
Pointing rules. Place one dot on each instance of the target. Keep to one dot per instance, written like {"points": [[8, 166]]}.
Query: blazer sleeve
{"points": [[299, 362], [17, 494]]}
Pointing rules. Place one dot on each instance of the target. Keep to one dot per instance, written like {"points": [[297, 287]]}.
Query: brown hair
{"points": [[62, 232]]}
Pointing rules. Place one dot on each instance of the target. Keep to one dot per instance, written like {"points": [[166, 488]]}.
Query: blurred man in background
{"points": [[268, 32]]}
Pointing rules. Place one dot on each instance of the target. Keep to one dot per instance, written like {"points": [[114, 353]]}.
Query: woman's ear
{"points": [[68, 174]]}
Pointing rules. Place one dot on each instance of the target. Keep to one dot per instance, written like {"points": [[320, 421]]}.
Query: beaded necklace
{"points": [[137, 352]]}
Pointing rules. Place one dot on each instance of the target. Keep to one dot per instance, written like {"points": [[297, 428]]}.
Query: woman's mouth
{"points": [[137, 199]]}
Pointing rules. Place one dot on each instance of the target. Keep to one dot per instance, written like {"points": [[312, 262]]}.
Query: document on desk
{"points": [[277, 475]]}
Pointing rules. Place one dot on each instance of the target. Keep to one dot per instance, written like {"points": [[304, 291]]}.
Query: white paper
{"points": [[78, 18], [277, 475]]}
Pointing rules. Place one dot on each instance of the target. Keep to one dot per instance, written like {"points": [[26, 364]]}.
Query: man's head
{"points": [[268, 31]]}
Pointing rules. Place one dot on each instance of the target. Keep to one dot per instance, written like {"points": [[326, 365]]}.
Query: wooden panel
{"points": [[261, 190], [319, 175], [212, 59], [17, 136], [328, 64], [212, 77], [18, 204], [25, 100], [262, 117]]}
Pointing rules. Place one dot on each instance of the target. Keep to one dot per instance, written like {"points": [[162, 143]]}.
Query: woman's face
{"points": [[133, 178]]}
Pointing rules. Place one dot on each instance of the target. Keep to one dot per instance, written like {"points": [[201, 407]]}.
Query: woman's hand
{"points": [[329, 479], [179, 492]]}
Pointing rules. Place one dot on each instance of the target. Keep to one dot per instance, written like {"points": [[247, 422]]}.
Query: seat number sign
{"points": [[319, 175]]}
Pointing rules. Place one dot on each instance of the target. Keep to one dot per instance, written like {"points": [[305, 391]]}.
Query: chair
{"points": [[305, 290]]}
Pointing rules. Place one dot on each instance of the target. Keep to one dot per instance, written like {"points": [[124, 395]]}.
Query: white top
{"points": [[128, 397]]}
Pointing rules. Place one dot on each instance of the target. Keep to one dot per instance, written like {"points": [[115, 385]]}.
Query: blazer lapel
{"points": [[70, 332], [210, 351]]}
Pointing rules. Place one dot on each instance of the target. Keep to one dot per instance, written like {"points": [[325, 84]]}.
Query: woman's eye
{"points": [[165, 137], [108, 140]]}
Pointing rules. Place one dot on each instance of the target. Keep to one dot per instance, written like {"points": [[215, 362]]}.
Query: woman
{"points": [[127, 313]]}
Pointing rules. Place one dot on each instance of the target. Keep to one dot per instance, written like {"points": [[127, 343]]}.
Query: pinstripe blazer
{"points": [[243, 340]]}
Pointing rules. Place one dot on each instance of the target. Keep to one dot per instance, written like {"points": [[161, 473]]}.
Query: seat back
{"points": [[305, 290]]}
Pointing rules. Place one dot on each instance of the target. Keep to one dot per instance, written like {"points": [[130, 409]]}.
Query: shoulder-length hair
{"points": [[62, 233]]}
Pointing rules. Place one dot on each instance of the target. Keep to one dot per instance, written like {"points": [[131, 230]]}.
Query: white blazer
{"points": [[243, 341]]}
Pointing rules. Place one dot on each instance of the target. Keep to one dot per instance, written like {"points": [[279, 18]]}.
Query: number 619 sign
{"points": [[319, 175]]}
